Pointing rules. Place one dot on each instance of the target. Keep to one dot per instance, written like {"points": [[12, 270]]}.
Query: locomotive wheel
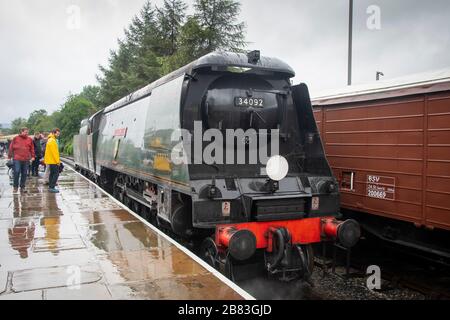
{"points": [[152, 217], [128, 202], [116, 193], [179, 198], [136, 207], [229, 268], [146, 214], [208, 252], [181, 220], [307, 257]]}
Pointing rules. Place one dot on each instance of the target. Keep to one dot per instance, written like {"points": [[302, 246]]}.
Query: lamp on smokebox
{"points": [[213, 191], [277, 169]]}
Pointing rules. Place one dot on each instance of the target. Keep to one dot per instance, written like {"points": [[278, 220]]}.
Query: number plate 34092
{"points": [[249, 102]]}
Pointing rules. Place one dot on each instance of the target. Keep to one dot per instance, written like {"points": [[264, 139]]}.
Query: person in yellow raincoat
{"points": [[52, 160]]}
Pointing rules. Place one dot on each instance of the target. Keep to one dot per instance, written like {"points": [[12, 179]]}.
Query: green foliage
{"points": [[135, 63], [192, 46], [170, 19], [69, 118], [218, 19], [68, 149], [4, 131], [92, 94], [45, 125], [213, 26], [35, 120], [18, 124], [113, 83]]}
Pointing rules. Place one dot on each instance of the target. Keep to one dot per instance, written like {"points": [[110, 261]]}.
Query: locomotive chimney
{"points": [[254, 56]]}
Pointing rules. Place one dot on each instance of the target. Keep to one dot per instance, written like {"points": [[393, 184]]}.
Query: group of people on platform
{"points": [[24, 149]]}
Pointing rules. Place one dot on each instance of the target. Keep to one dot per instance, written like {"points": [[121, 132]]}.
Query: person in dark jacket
{"points": [[44, 148], [21, 150], [39, 154], [8, 143]]}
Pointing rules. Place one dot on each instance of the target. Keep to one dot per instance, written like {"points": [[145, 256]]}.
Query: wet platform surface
{"points": [[81, 244]]}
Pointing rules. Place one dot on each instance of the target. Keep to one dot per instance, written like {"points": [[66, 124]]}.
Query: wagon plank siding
{"points": [[382, 142], [396, 146], [437, 209]]}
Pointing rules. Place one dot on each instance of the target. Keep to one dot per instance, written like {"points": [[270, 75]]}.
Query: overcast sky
{"points": [[44, 55]]}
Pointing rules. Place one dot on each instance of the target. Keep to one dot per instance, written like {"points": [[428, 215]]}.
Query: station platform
{"points": [[83, 244]]}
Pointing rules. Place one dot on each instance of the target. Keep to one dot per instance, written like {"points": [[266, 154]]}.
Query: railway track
{"points": [[68, 160], [403, 268], [403, 276]]}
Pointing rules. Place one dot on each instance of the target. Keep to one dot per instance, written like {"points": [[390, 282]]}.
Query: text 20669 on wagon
{"points": [[181, 151]]}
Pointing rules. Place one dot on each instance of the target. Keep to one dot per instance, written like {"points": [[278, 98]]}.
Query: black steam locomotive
{"points": [[226, 150]]}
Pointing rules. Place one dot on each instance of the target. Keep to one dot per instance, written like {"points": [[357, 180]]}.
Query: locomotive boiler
{"points": [[225, 150]]}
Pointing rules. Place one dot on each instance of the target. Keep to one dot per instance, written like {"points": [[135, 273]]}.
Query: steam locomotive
{"points": [[264, 212]]}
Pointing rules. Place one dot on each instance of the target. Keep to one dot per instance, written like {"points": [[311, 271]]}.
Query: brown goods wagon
{"points": [[389, 147]]}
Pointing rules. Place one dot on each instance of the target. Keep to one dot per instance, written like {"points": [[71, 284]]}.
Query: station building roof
{"points": [[4, 139]]}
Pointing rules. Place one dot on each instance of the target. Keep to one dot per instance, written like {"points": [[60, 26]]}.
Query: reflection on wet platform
{"points": [[80, 244]]}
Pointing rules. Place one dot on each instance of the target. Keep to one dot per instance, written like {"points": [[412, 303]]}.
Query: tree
{"points": [[191, 46], [219, 20], [18, 124], [47, 124], [35, 119], [112, 83], [92, 93], [213, 26], [69, 118], [5, 131], [135, 63], [170, 19]]}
